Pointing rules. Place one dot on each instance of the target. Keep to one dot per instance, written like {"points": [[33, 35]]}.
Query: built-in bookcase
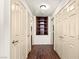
{"points": [[41, 25]]}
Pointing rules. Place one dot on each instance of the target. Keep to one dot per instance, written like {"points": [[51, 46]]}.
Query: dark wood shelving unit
{"points": [[41, 25]]}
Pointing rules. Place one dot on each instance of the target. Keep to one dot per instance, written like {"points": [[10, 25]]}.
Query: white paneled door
{"points": [[18, 31]]}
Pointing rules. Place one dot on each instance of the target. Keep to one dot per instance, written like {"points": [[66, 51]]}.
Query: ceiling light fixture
{"points": [[43, 7]]}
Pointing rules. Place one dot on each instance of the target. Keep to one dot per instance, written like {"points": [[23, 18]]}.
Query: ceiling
{"points": [[51, 6]]}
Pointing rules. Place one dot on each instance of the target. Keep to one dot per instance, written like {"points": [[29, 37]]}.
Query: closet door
{"points": [[55, 33], [65, 39], [77, 25], [60, 37], [77, 32], [73, 42]]}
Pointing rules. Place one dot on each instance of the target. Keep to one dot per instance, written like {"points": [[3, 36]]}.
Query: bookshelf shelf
{"points": [[41, 25]]}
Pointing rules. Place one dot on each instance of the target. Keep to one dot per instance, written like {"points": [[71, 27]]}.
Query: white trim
{"points": [[26, 6], [61, 5]]}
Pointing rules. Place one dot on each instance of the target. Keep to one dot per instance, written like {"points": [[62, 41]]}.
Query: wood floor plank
{"points": [[43, 52]]}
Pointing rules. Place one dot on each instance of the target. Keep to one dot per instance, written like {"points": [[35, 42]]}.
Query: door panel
{"points": [[18, 31], [15, 46], [70, 21]]}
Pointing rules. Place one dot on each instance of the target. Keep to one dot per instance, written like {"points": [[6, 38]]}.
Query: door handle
{"points": [[14, 42]]}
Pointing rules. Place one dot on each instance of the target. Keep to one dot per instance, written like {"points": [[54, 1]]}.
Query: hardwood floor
{"points": [[43, 52]]}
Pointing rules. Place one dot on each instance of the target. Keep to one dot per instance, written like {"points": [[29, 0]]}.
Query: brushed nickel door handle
{"points": [[15, 42]]}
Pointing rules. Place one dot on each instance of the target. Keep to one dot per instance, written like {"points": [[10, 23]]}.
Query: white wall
{"points": [[42, 39], [4, 29]]}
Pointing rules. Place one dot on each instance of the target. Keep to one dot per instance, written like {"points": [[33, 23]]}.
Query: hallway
{"points": [[39, 29], [43, 52]]}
